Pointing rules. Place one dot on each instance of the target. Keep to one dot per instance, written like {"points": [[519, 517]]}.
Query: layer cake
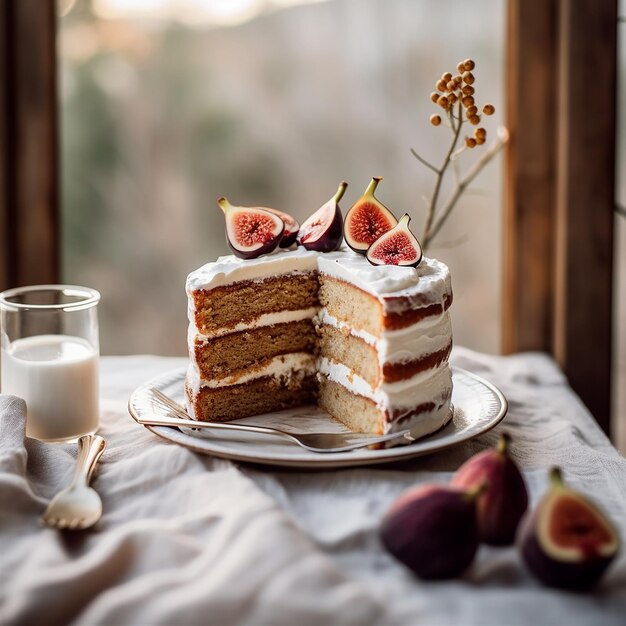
{"points": [[369, 344]]}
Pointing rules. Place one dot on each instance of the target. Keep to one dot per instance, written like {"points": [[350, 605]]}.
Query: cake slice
{"points": [[385, 339]]}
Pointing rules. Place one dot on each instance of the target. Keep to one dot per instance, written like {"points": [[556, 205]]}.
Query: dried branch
{"points": [[442, 170], [457, 153], [453, 158], [494, 148], [424, 161], [456, 169], [455, 94]]}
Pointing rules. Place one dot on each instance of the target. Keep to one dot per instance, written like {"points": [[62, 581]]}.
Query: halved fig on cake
{"points": [[398, 246], [291, 227], [251, 231], [323, 231], [367, 220], [567, 542]]}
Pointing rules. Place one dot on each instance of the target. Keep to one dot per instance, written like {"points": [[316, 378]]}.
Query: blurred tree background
{"points": [[168, 104]]}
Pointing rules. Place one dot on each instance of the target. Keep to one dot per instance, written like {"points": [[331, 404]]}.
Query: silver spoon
{"points": [[78, 506]]}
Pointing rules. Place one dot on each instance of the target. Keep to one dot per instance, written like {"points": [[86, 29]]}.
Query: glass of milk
{"points": [[49, 357]]}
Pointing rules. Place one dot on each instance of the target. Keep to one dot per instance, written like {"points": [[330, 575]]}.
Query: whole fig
{"points": [[505, 500], [433, 530], [567, 541]]}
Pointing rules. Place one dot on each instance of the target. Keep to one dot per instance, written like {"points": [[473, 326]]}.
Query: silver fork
{"points": [[315, 442], [78, 506]]}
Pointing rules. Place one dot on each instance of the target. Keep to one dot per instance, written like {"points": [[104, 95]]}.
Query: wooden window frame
{"points": [[29, 172], [560, 189], [561, 71]]}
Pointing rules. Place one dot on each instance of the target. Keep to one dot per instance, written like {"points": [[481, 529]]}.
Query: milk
{"points": [[57, 376]]}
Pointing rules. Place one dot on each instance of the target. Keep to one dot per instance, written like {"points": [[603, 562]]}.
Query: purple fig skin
{"points": [[580, 574], [288, 239], [331, 240], [505, 500], [290, 233], [330, 237], [433, 530]]}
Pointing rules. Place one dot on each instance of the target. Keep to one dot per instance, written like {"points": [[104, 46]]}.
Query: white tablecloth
{"points": [[187, 539]]}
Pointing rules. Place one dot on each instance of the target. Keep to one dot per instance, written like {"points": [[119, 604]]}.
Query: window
{"points": [[166, 105]]}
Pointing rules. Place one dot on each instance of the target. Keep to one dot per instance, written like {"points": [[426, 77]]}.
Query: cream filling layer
{"points": [[406, 344], [407, 394], [267, 319], [424, 337], [438, 386], [400, 393], [411, 392], [422, 424], [385, 398], [284, 365]]}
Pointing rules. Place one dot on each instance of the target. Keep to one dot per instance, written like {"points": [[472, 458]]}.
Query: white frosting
{"points": [[267, 319], [230, 269], [405, 344], [377, 279], [430, 277]]}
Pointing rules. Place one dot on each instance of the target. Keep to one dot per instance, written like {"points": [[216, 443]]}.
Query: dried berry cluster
{"points": [[459, 90], [456, 96]]}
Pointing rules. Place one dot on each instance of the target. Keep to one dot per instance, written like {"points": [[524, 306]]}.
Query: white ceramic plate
{"points": [[478, 407]]}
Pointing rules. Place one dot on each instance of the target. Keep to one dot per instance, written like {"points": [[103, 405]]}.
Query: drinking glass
{"points": [[49, 357]]}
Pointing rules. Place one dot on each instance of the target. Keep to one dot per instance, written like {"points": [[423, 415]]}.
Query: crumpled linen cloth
{"points": [[188, 539]]}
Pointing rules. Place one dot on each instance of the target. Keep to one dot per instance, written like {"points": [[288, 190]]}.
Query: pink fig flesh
{"points": [[505, 500], [367, 220], [323, 231], [433, 530], [251, 231], [567, 542], [398, 246]]}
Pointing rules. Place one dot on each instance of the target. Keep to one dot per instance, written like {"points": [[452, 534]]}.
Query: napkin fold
{"points": [[17, 498], [184, 539]]}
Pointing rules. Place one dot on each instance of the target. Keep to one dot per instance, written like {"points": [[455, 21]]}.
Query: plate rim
{"points": [[388, 455]]}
